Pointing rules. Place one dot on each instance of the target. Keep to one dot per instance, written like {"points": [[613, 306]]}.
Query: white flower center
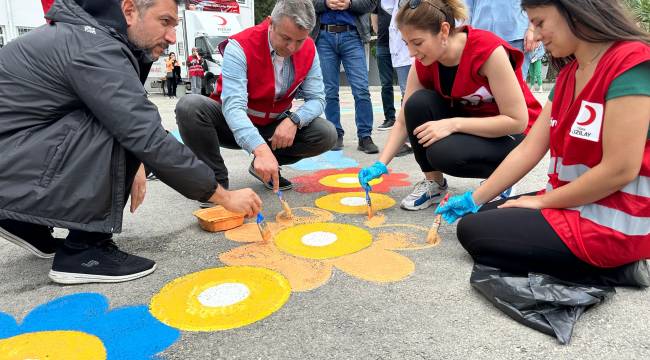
{"points": [[225, 294], [348, 180], [353, 201], [319, 238]]}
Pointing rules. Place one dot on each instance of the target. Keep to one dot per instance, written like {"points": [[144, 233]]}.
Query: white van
{"points": [[203, 30]]}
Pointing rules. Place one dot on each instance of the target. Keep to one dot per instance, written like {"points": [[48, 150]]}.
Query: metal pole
{"points": [[11, 29]]}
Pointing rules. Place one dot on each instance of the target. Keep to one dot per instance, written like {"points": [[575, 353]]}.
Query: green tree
{"points": [[641, 11], [263, 9]]}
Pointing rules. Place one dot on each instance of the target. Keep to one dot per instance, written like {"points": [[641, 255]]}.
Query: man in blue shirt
{"points": [[232, 121], [508, 21], [341, 30]]}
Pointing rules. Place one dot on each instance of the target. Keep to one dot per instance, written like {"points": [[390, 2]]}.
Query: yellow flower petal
{"points": [[69, 345], [376, 264], [345, 181], [220, 298], [322, 240], [354, 202], [303, 274]]}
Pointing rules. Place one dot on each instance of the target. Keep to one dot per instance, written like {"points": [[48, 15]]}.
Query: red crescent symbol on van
{"points": [[592, 116], [223, 20]]}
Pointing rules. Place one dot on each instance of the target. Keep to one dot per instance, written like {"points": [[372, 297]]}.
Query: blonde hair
{"points": [[430, 14]]}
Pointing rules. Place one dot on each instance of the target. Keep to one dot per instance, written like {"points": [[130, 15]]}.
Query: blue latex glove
{"points": [[370, 173], [457, 207]]}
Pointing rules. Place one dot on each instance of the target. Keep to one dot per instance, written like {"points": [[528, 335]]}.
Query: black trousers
{"points": [[204, 130], [171, 86], [460, 155], [520, 241], [78, 238]]}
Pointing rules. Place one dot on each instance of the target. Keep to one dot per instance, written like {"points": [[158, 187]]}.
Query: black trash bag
{"points": [[539, 301]]}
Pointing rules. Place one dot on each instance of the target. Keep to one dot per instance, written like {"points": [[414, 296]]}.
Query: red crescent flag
{"points": [[47, 4]]}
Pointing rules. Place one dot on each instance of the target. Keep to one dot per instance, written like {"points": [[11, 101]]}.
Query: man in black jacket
{"points": [[75, 126]]}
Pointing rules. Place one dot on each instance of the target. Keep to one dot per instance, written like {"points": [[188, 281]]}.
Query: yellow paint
{"points": [[177, 304], [314, 215], [332, 202], [64, 345], [345, 181], [303, 274], [349, 239], [377, 220]]}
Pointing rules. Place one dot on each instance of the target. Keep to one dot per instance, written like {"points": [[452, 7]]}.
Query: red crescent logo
{"points": [[223, 20], [592, 116]]}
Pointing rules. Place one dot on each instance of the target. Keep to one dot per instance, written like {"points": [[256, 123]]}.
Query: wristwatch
{"points": [[295, 119]]}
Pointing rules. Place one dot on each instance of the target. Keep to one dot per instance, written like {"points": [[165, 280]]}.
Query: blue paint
{"points": [[328, 160], [128, 332], [177, 135]]}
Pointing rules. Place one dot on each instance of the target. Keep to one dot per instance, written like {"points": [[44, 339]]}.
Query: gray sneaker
{"points": [[425, 193]]}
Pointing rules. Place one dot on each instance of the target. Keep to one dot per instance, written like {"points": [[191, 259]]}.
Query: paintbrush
{"points": [[432, 235], [369, 203], [285, 206], [265, 231]]}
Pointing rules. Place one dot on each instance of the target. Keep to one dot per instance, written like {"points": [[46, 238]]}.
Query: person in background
{"points": [[535, 80], [592, 222], [381, 21], [170, 78], [466, 105], [508, 21], [195, 71], [263, 66], [76, 161], [342, 28]]}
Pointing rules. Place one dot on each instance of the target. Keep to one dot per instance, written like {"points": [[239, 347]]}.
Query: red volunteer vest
{"points": [[195, 66], [471, 91], [614, 230], [263, 108]]}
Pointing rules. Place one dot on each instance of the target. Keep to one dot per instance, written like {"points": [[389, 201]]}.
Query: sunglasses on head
{"points": [[415, 3]]}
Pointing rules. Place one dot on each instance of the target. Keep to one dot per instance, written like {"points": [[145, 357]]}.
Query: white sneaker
{"points": [[424, 194]]}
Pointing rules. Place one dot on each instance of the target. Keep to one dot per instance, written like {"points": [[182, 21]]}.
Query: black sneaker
{"points": [[284, 183], [405, 149], [367, 146], [102, 262], [339, 143], [386, 125], [37, 239]]}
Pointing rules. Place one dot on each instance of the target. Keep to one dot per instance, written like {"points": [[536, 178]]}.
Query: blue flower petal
{"points": [[70, 312], [129, 332], [133, 333], [8, 326], [328, 160]]}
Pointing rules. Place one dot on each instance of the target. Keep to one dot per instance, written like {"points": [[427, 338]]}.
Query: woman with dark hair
{"points": [[170, 67], [593, 219], [466, 104]]}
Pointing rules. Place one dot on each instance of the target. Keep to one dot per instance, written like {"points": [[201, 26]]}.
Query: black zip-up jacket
{"points": [[72, 111]]}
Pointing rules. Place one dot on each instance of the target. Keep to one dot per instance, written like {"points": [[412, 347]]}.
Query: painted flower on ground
{"points": [[221, 298], [307, 254], [328, 160], [345, 180], [81, 326]]}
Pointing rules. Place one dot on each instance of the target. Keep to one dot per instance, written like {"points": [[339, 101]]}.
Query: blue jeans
{"points": [[402, 76], [385, 67], [519, 44], [345, 47]]}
